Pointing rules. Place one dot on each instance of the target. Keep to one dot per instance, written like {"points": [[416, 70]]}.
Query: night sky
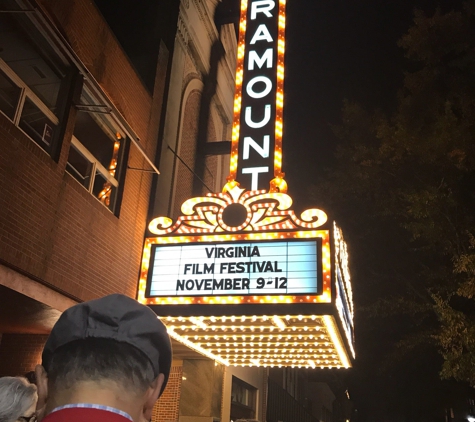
{"points": [[336, 50]]}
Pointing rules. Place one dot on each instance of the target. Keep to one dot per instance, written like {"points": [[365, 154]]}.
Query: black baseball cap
{"points": [[115, 317]]}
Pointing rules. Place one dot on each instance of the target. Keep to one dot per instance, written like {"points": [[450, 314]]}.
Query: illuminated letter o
{"points": [[253, 94]]}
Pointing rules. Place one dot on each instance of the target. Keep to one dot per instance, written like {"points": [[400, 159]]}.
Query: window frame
{"points": [[26, 92], [96, 165], [74, 80], [251, 393], [108, 122]]}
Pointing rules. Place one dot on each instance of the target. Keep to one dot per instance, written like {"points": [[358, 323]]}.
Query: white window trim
{"points": [[97, 166], [26, 92]]}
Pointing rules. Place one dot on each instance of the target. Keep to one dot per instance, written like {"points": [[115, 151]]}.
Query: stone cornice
{"points": [[183, 34], [207, 19]]}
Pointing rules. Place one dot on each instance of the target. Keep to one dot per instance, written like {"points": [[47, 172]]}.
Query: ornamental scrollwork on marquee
{"points": [[237, 210]]}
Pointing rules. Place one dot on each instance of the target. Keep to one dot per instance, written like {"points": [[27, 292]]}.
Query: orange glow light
{"points": [[278, 184]]}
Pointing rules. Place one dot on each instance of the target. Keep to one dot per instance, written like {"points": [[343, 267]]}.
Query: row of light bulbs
{"points": [[286, 342], [225, 328], [325, 297], [234, 318]]}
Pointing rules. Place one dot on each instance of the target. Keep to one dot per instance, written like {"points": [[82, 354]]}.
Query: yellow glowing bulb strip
{"points": [[105, 194], [346, 296], [197, 348], [336, 340], [280, 93], [342, 253], [199, 323], [216, 345], [238, 93], [279, 322]]}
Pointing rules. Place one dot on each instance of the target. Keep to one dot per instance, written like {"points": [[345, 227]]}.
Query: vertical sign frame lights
{"points": [[256, 151], [238, 276]]}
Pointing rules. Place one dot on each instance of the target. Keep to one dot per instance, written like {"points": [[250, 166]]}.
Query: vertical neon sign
{"points": [[256, 152]]}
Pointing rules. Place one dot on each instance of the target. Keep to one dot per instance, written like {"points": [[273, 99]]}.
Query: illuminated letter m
{"points": [[266, 58]]}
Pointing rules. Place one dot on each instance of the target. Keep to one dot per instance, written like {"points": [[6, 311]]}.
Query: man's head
{"points": [[112, 343]]}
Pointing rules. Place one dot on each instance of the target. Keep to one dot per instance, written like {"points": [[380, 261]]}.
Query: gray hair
{"points": [[16, 397]]}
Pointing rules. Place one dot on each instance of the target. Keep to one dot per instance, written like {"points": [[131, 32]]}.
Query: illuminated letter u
{"points": [[263, 122]]}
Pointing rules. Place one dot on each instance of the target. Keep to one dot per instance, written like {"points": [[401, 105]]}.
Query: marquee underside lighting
{"points": [[298, 341]]}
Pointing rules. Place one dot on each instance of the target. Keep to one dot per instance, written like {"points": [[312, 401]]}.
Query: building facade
{"points": [[199, 108], [89, 114], [78, 133]]}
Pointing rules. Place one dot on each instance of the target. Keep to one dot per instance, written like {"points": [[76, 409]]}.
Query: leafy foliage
{"points": [[404, 191]]}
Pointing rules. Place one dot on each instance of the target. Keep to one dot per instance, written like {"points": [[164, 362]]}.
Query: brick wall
{"points": [[96, 46], [20, 353], [50, 226], [167, 407]]}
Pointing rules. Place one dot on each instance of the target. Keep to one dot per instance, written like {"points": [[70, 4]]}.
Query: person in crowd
{"points": [[105, 360], [17, 400], [31, 377]]}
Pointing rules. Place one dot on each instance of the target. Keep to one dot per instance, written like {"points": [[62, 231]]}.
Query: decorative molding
{"points": [[207, 19], [261, 212], [182, 31]]}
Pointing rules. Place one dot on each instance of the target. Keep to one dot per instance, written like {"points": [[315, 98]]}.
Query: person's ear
{"points": [[42, 389], [152, 395]]}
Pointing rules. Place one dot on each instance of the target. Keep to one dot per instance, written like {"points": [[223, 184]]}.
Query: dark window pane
{"points": [[36, 124], [36, 65], [104, 191], [9, 96], [96, 136], [79, 167]]}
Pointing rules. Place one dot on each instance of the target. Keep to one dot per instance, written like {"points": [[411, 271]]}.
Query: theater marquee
{"points": [[265, 255], [239, 277]]}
